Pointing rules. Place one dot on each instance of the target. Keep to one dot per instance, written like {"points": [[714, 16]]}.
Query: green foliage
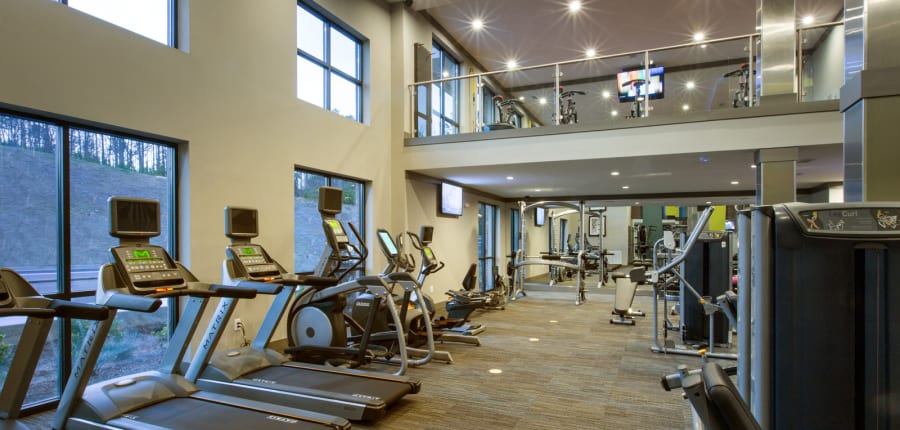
{"points": [[6, 350]]}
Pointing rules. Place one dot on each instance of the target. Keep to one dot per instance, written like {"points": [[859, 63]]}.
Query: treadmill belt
{"points": [[388, 391], [189, 413]]}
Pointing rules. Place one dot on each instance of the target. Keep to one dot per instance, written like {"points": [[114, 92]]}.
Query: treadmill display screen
{"points": [[336, 228], [134, 217], [248, 251]]}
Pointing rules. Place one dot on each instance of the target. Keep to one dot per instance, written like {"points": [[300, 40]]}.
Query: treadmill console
{"points": [[253, 261], [147, 268]]}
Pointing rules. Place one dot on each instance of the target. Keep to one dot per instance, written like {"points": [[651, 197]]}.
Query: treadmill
{"points": [[257, 372], [139, 276], [19, 299]]}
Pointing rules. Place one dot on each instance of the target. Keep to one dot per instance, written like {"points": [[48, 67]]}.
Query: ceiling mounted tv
{"points": [[634, 80], [451, 203]]}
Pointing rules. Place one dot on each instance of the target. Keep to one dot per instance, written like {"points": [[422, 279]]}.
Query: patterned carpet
{"points": [[562, 366]]}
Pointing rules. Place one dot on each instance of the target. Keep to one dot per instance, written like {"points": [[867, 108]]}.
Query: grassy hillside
{"points": [[28, 208]]}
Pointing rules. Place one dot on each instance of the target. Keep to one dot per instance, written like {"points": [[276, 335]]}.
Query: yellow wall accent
{"points": [[717, 219], [674, 211]]}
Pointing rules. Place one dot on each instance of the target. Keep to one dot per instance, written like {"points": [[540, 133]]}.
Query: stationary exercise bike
{"points": [[566, 111], [506, 113], [741, 97]]}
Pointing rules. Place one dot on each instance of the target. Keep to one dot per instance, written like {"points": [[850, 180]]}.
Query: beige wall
{"points": [[232, 98]]}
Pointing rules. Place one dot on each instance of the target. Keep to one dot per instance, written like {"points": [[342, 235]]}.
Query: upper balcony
{"points": [[701, 81]]}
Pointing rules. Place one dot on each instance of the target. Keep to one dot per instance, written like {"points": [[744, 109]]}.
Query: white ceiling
{"points": [[535, 32]]}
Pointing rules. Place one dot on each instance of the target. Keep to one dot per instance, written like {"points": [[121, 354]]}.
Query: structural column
{"points": [[870, 100], [777, 59], [776, 175]]}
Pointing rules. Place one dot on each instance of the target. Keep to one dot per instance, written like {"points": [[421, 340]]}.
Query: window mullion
{"points": [[64, 259]]}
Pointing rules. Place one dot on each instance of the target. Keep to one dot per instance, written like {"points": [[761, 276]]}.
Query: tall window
{"points": [[153, 19], [309, 239], [444, 95], [488, 110], [54, 230], [487, 245], [329, 63], [514, 221]]}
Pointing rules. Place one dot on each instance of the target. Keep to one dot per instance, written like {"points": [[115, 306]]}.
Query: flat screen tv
{"points": [[628, 83], [241, 222], [539, 215], [451, 200], [130, 217]]}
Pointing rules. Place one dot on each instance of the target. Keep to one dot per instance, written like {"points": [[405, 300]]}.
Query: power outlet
{"points": [[237, 324]]}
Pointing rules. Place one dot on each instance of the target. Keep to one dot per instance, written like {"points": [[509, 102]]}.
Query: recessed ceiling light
{"points": [[509, 178], [605, 94], [537, 190], [533, 339], [709, 203], [808, 19], [685, 107], [637, 203], [495, 371], [511, 64], [574, 6], [614, 113], [590, 53], [735, 182], [753, 166], [553, 321], [690, 85], [614, 173], [625, 187], [521, 98], [699, 36], [542, 100], [477, 24], [703, 46]]}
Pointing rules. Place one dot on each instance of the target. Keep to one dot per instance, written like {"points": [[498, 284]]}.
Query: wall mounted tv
{"points": [[451, 200], [628, 87], [539, 216]]}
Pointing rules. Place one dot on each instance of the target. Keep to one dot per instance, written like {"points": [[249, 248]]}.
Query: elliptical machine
{"points": [[317, 328], [451, 328]]}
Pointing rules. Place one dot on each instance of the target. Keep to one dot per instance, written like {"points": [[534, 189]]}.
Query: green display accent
{"points": [[141, 253], [336, 227], [248, 251], [428, 253]]}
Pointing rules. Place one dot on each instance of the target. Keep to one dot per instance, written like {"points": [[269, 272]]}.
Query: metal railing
{"points": [[695, 77]]}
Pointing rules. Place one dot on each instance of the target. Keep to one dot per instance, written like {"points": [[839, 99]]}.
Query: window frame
{"points": [[66, 352], [330, 22], [436, 45], [329, 182], [487, 249], [171, 22]]}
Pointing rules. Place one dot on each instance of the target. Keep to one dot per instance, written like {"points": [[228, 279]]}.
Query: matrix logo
{"points": [[264, 381], [282, 419], [366, 396]]}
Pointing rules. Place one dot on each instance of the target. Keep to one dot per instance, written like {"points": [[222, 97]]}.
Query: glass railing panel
{"points": [[698, 78], [822, 63]]}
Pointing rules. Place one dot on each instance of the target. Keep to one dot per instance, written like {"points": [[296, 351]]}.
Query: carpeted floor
{"points": [[562, 366]]}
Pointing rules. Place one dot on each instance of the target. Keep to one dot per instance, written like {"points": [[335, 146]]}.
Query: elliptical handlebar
{"points": [[704, 218]]}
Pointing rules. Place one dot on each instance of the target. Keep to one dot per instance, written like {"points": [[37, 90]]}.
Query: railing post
{"points": [[646, 84], [479, 105], [557, 92], [751, 71]]}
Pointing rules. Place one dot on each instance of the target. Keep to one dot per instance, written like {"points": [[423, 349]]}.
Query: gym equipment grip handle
{"points": [[81, 311], [133, 303]]}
